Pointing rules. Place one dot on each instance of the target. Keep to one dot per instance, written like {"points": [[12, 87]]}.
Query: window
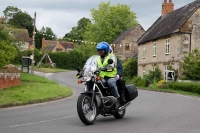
{"points": [[127, 47], [154, 68], [166, 68], [144, 51], [154, 49], [58, 49], [167, 46], [143, 71]]}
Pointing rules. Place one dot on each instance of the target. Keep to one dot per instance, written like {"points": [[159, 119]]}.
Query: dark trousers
{"points": [[121, 89]]}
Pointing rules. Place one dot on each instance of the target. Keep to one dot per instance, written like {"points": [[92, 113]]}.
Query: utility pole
{"points": [[32, 64]]}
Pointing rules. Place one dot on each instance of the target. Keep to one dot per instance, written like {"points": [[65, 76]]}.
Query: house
{"points": [[125, 45], [20, 35], [53, 46], [173, 35]]}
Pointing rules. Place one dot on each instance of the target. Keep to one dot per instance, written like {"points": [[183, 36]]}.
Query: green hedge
{"points": [[65, 60], [68, 60], [189, 87]]}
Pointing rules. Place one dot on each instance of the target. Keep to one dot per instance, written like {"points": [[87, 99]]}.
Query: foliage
{"points": [[78, 31], [45, 32], [108, 22], [18, 19], [191, 65], [64, 59], [183, 86], [37, 56], [161, 84], [7, 49], [138, 81], [130, 68], [152, 76], [86, 50]]}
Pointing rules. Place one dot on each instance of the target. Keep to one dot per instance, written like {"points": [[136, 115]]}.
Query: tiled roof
{"points": [[169, 23], [67, 45], [49, 48], [122, 35]]}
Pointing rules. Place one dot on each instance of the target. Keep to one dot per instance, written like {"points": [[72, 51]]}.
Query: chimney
{"points": [[167, 7]]}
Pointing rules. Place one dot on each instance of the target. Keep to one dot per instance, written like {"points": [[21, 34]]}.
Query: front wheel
{"points": [[86, 112], [120, 114]]}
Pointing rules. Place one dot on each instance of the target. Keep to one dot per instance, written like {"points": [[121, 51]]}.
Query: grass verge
{"points": [[33, 89]]}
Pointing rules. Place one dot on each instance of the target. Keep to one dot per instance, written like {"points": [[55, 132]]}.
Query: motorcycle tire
{"points": [[85, 113], [120, 114]]}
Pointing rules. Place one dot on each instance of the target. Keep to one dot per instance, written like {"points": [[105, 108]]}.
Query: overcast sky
{"points": [[62, 15]]}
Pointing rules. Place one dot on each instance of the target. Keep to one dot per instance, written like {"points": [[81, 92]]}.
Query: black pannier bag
{"points": [[131, 92]]}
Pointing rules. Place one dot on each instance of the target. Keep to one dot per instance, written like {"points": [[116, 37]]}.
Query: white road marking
{"points": [[26, 124], [48, 74]]}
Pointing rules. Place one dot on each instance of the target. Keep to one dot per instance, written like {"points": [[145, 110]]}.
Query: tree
{"points": [[78, 31], [10, 11], [191, 65], [7, 49], [18, 19], [108, 22], [47, 33]]}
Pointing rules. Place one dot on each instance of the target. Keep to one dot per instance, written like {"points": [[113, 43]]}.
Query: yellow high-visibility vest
{"points": [[105, 63]]}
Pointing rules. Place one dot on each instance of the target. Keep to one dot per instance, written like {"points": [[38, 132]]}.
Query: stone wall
{"points": [[9, 76]]}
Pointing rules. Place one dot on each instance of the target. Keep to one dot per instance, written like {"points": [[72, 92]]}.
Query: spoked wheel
{"points": [[120, 114], [86, 112]]}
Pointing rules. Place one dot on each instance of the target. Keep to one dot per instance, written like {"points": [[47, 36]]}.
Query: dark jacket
{"points": [[119, 67]]}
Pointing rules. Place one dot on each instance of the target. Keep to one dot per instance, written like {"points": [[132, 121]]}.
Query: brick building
{"points": [[53, 46]]}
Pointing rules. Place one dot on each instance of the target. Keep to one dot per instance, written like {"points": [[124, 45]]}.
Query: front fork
{"points": [[93, 95]]}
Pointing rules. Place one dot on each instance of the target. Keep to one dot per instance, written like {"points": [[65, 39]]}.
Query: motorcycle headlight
{"points": [[87, 76]]}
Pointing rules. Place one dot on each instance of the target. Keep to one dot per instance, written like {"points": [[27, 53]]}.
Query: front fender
{"points": [[96, 98], [87, 92]]}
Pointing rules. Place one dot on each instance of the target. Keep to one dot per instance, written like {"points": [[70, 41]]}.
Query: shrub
{"points": [[130, 68], [152, 76], [189, 87], [161, 84], [138, 81]]}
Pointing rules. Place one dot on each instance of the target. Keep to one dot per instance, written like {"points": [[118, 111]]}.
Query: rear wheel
{"points": [[86, 112], [120, 114]]}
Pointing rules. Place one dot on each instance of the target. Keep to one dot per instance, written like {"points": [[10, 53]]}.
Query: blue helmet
{"points": [[103, 45]]}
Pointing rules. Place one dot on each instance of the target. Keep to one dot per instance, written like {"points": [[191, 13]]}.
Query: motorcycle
{"points": [[97, 97]]}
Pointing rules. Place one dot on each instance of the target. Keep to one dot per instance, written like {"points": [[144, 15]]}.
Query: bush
{"points": [[152, 77], [161, 84], [182, 86], [130, 68], [138, 81]]}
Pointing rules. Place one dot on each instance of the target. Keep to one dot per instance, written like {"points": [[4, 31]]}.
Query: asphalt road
{"points": [[150, 112]]}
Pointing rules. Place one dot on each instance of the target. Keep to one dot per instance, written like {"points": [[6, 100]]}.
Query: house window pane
{"points": [[154, 68], [167, 46], [154, 48], [127, 47], [166, 68], [143, 71], [144, 51]]}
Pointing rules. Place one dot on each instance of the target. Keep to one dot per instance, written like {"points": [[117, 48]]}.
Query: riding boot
{"points": [[117, 104], [123, 98], [121, 89]]}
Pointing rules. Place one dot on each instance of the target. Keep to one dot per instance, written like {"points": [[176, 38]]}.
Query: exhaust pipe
{"points": [[124, 106]]}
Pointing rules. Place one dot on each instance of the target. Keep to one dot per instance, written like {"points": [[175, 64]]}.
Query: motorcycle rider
{"points": [[119, 78], [102, 61]]}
